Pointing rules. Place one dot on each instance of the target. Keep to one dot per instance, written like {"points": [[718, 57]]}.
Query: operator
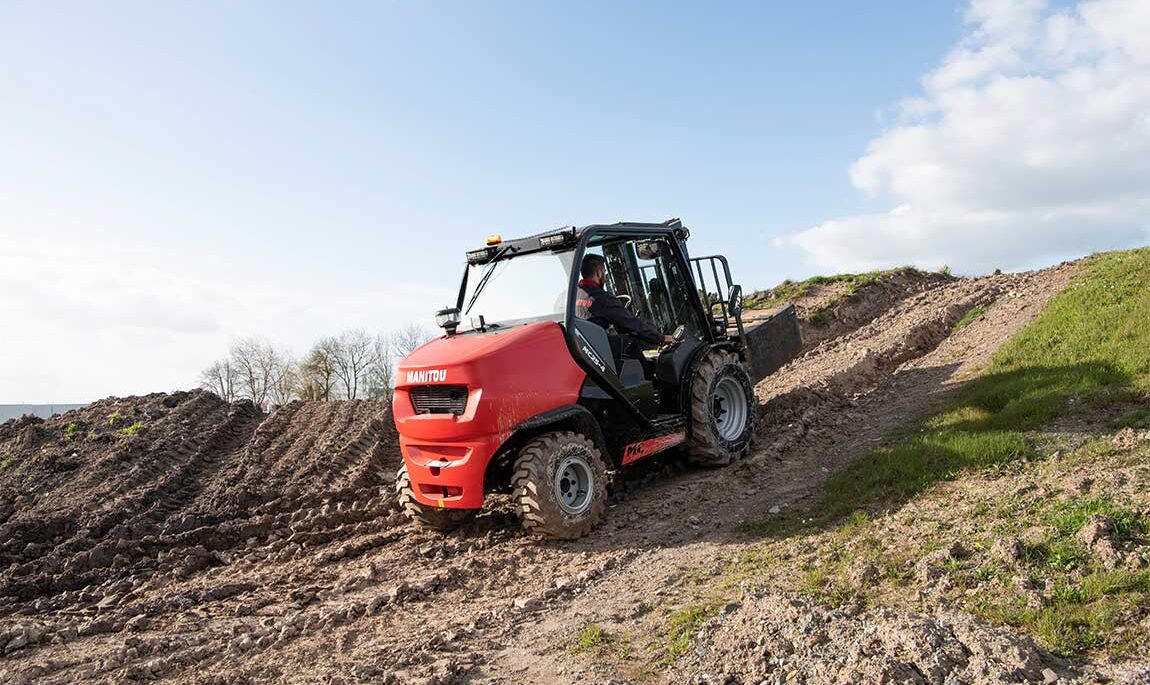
{"points": [[600, 307]]}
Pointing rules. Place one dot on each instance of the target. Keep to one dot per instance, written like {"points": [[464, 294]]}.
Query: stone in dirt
{"points": [[930, 567], [21, 640], [1008, 549], [528, 604], [399, 592], [1097, 528], [1125, 439], [861, 575]]}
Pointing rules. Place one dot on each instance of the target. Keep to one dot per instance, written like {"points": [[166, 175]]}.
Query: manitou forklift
{"points": [[523, 395]]}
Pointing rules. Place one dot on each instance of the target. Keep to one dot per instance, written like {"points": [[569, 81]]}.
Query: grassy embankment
{"points": [[982, 472]]}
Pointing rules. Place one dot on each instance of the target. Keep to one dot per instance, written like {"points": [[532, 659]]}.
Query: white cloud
{"points": [[1030, 141]]}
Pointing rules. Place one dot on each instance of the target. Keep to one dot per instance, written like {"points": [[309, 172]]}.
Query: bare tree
{"points": [[379, 369], [317, 371], [256, 364], [220, 378], [285, 378], [351, 361], [406, 339]]}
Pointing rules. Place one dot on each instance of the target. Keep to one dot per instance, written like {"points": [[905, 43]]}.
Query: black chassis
{"points": [[613, 424]]}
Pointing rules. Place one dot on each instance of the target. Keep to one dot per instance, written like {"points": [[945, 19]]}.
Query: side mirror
{"points": [[735, 303]]}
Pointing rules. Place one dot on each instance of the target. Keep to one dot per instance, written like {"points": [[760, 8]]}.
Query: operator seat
{"points": [[611, 345]]}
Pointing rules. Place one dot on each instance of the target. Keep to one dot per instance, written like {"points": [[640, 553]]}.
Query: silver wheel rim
{"points": [[574, 482], [729, 409]]}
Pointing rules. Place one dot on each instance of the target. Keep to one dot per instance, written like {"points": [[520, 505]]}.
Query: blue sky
{"points": [[175, 175]]}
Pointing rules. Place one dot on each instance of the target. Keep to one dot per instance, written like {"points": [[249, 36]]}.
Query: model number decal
{"points": [[585, 348], [643, 448], [595, 359], [427, 376]]}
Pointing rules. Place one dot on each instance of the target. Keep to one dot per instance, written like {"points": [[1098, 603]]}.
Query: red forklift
{"points": [[523, 395]]}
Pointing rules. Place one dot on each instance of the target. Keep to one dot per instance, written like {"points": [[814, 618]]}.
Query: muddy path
{"points": [[283, 558]]}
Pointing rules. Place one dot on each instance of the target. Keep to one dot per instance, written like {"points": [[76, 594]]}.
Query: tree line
{"points": [[352, 365]]}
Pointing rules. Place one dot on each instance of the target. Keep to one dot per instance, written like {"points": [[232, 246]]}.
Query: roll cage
{"points": [[590, 357]]}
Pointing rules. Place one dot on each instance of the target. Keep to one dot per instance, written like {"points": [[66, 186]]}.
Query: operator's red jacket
{"points": [[604, 309]]}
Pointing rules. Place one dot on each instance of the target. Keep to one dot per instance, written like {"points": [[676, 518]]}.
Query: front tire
{"points": [[560, 485], [435, 518], [723, 410]]}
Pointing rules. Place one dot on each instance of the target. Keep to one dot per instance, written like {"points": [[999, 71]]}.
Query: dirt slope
{"points": [[225, 563], [830, 308]]}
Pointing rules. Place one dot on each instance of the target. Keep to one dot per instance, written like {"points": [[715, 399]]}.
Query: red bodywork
{"points": [[511, 375]]}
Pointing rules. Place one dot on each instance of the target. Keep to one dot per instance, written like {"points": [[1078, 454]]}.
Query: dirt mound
{"points": [[775, 638], [117, 468], [306, 452], [835, 306], [120, 486]]}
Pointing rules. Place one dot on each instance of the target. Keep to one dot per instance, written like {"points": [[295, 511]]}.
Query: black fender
{"points": [[568, 417], [575, 416], [689, 376]]}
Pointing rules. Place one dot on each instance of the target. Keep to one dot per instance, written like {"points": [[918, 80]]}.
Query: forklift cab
{"points": [[648, 273], [647, 266]]}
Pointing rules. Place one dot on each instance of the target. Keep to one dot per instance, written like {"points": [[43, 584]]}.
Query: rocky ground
{"points": [[176, 537]]}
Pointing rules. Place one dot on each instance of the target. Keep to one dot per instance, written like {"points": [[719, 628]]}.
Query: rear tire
{"points": [[560, 485], [429, 517], [723, 410]]}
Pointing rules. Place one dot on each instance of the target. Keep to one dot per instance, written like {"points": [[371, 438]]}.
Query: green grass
{"points": [[682, 625], [1137, 418], [970, 318], [592, 638], [71, 431], [1068, 517], [1062, 551], [1082, 615], [8, 461], [128, 431], [1100, 319]]}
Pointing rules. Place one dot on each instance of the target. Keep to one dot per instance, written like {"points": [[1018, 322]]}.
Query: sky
{"points": [[175, 176]]}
